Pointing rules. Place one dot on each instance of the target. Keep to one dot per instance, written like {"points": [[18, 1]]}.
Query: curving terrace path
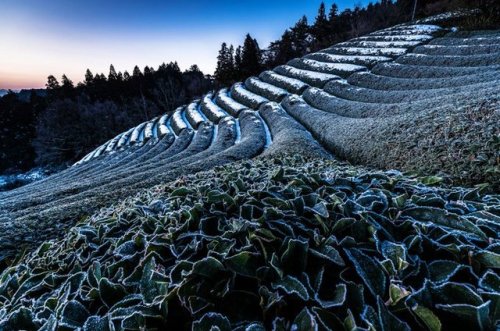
{"points": [[344, 101]]}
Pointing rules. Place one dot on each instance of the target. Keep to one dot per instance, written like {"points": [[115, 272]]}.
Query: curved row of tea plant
{"points": [[274, 244]]}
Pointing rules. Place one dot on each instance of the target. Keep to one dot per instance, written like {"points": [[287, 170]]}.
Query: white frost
{"points": [[123, 140], [267, 87], [136, 133], [240, 89], [178, 120], [162, 125], [99, 150], [328, 66], [351, 58], [416, 37], [228, 101], [193, 115], [294, 72], [380, 44], [238, 131], [389, 51], [295, 83], [148, 131], [269, 137], [213, 109]]}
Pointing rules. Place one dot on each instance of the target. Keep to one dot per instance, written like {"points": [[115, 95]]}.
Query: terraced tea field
{"points": [[273, 241]]}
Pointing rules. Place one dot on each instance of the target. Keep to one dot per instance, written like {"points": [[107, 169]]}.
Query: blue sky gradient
{"points": [[39, 38]]}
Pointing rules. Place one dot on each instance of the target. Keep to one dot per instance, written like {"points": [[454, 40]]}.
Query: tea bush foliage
{"points": [[288, 244]]}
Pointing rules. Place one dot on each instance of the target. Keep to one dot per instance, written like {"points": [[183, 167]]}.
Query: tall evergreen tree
{"points": [[282, 50], [66, 87], [89, 77], [148, 71], [321, 28], [334, 23], [333, 13], [237, 58], [237, 64], [194, 68], [112, 73], [225, 67], [301, 37], [66, 82], [126, 75], [137, 72], [52, 83], [251, 57], [230, 60]]}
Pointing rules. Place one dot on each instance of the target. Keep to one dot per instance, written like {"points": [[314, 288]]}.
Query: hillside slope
{"points": [[415, 97], [237, 212]]}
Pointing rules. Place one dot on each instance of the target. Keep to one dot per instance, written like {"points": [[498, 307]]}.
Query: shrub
{"points": [[270, 244]]}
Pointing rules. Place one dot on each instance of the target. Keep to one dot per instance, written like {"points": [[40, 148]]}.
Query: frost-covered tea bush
{"points": [[274, 244]]}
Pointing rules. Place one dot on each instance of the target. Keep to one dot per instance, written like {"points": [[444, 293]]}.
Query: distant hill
{"points": [[24, 95]]}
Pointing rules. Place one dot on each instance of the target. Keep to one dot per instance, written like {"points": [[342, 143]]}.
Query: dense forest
{"points": [[69, 121], [60, 126]]}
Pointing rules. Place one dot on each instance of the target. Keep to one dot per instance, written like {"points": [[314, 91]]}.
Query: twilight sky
{"points": [[38, 38]]}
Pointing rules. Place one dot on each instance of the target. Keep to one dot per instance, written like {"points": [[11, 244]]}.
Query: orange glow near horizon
{"points": [[18, 81], [27, 58], [27, 64]]}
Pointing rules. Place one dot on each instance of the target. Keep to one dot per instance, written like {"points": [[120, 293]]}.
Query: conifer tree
{"points": [[194, 68], [321, 19], [282, 50], [251, 57], [230, 59], [321, 28], [333, 13], [301, 37], [112, 73], [66, 89], [137, 72], [334, 22], [89, 77], [66, 82], [148, 71], [52, 83], [225, 65], [237, 58], [237, 64]]}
